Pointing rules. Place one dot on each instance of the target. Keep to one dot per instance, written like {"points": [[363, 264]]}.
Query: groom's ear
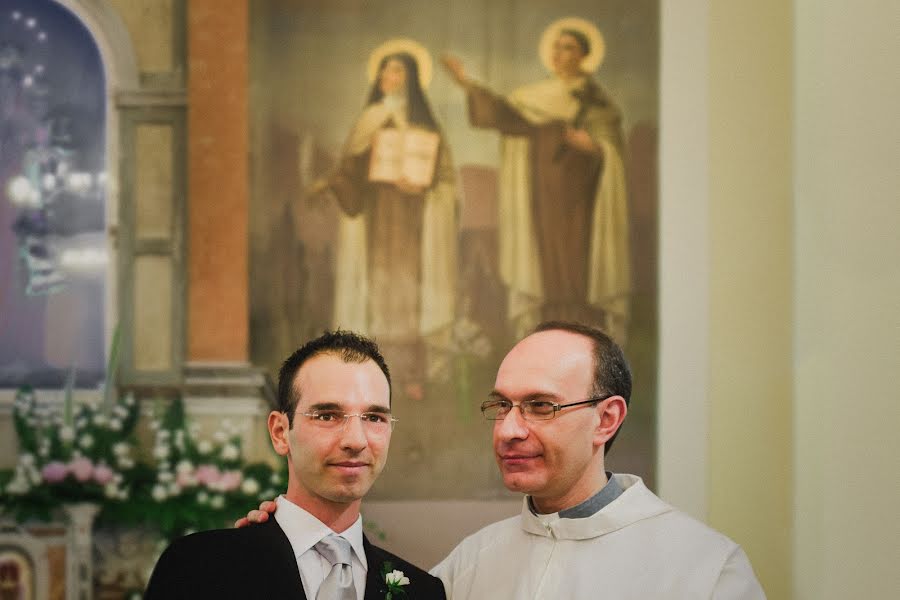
{"points": [[279, 429]]}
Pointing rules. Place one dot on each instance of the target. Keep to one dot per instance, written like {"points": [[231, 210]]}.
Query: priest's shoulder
{"points": [[489, 535]]}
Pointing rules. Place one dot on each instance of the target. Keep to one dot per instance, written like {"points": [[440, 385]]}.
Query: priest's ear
{"points": [[279, 430], [612, 413]]}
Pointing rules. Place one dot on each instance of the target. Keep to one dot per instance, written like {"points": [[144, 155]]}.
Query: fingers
{"points": [[268, 506], [242, 522]]}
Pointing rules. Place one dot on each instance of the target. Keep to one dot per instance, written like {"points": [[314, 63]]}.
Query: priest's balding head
{"points": [[560, 397]]}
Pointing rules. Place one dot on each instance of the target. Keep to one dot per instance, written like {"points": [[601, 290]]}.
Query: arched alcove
{"points": [[61, 65]]}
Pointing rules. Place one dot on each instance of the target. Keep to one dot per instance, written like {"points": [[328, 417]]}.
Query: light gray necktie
{"points": [[338, 585]]}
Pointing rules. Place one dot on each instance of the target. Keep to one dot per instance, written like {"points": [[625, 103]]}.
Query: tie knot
{"points": [[335, 549]]}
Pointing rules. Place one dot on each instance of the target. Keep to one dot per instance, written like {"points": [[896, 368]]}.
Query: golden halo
{"points": [[592, 61], [397, 45]]}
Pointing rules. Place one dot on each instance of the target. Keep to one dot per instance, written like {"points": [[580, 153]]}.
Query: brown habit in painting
{"points": [[443, 176]]}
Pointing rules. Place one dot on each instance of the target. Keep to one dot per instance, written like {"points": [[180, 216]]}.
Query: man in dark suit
{"points": [[334, 426]]}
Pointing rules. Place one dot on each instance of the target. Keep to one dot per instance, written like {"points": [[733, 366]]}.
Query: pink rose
{"points": [[185, 479], [103, 474], [82, 469], [207, 474], [54, 472], [231, 480]]}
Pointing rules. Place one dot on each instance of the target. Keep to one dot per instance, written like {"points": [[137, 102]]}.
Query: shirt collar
{"points": [[634, 504], [304, 531], [609, 492]]}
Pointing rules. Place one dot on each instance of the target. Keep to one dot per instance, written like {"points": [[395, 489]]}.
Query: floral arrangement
{"points": [[90, 453], [198, 483], [76, 454]]}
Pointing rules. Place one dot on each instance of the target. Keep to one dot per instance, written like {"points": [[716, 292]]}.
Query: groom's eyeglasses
{"points": [[376, 422]]}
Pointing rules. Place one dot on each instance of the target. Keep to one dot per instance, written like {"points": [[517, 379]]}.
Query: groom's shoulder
{"points": [[216, 563], [221, 546]]}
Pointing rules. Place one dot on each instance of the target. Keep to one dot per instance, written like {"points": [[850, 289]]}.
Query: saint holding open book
{"points": [[397, 241]]}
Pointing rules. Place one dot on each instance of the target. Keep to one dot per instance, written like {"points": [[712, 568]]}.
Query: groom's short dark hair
{"points": [[350, 347]]}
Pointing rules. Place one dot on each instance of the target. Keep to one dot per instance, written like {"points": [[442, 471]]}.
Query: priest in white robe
{"points": [[560, 396]]}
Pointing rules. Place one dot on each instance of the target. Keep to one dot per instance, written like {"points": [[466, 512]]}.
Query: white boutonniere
{"points": [[394, 580]]}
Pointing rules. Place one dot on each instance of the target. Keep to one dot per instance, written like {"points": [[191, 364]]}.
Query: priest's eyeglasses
{"points": [[375, 422], [496, 409]]}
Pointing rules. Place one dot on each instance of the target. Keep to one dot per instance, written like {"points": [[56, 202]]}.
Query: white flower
{"points": [[81, 423], [159, 493], [26, 459], [86, 441], [217, 502], [165, 476], [120, 411], [250, 486], [121, 448], [115, 424], [202, 497], [275, 479], [174, 488], [183, 467], [111, 490], [66, 434], [220, 436], [204, 447], [124, 462], [230, 452], [129, 399], [100, 420], [396, 578], [161, 452]]}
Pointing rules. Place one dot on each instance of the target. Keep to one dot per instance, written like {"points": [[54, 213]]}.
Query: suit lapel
{"points": [[375, 587], [284, 569]]}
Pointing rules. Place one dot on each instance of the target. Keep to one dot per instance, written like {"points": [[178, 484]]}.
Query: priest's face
{"points": [[559, 462], [334, 460]]}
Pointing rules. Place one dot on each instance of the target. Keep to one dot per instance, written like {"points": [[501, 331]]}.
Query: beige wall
{"points": [[847, 299], [790, 376], [750, 282]]}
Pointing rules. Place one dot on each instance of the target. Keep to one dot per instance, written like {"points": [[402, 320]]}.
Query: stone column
{"points": [[217, 182]]}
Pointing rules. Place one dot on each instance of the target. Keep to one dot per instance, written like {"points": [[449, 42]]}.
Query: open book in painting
{"points": [[409, 154]]}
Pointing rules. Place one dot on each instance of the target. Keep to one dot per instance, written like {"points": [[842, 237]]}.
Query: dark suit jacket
{"points": [[258, 562]]}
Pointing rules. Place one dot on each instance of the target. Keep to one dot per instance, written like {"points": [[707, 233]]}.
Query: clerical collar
{"points": [[592, 505]]}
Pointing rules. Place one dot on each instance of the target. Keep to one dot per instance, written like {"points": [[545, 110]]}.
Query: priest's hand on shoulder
{"points": [[258, 516]]}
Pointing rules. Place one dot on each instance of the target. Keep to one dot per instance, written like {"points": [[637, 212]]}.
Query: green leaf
{"points": [[111, 368]]}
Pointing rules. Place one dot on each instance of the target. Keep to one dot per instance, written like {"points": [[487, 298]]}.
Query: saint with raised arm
{"points": [[563, 203]]}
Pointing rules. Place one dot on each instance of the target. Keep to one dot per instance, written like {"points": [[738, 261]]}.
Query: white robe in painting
{"points": [[637, 547], [395, 253], [564, 224]]}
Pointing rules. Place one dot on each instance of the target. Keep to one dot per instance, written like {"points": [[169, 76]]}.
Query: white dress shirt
{"points": [[304, 531]]}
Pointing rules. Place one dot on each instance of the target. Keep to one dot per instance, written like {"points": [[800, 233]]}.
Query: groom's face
{"points": [[333, 459]]}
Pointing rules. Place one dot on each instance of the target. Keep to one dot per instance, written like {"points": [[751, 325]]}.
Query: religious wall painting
{"points": [[447, 275]]}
